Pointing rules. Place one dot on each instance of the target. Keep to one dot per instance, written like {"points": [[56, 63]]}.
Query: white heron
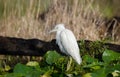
{"points": [[67, 42]]}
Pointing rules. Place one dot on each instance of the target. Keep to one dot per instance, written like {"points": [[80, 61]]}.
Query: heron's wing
{"points": [[70, 45], [68, 41], [58, 41]]}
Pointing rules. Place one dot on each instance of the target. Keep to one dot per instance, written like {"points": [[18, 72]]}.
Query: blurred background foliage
{"points": [[21, 7], [109, 8], [45, 14]]}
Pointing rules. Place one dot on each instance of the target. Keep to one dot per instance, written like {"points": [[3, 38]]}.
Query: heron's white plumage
{"points": [[67, 42]]}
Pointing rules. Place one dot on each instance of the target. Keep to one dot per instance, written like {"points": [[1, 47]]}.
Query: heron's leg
{"points": [[69, 64]]}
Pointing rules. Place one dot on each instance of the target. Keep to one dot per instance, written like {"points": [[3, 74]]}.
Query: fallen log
{"points": [[35, 47], [30, 47]]}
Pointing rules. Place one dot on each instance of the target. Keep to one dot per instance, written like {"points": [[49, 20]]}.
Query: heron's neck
{"points": [[60, 30], [58, 33]]}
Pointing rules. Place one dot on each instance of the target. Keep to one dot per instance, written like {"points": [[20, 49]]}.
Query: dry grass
{"points": [[78, 15]]}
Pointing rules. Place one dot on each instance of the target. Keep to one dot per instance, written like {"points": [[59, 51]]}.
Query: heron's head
{"points": [[58, 27]]}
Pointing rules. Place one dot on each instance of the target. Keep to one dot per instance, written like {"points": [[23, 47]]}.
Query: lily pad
{"points": [[110, 55], [52, 57]]}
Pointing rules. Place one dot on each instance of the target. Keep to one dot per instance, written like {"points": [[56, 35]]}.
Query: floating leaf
{"points": [[89, 59], [94, 65], [87, 75], [7, 68], [52, 57], [116, 73], [110, 55], [106, 70], [99, 73], [27, 71], [22, 69], [13, 75], [32, 63]]}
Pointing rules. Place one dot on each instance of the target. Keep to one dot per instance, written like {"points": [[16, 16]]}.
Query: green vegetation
{"points": [[55, 65]]}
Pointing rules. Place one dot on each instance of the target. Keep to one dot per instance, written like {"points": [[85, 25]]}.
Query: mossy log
{"points": [[35, 47]]}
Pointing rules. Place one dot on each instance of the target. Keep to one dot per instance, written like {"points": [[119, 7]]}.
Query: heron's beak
{"points": [[54, 30]]}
